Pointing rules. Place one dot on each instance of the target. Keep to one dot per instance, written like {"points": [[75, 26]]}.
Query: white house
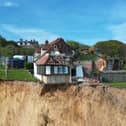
{"points": [[52, 69], [52, 63]]}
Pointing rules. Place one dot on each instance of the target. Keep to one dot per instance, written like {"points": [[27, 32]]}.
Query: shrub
{"points": [[28, 65]]}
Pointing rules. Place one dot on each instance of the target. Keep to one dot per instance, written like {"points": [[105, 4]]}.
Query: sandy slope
{"points": [[28, 104]]}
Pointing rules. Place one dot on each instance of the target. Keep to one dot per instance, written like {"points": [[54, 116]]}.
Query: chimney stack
{"points": [[46, 42]]}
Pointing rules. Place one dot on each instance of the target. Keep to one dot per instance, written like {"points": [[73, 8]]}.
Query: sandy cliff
{"points": [[28, 104]]}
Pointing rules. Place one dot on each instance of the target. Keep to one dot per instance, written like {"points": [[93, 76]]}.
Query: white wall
{"points": [[42, 52], [56, 79], [79, 71], [35, 72]]}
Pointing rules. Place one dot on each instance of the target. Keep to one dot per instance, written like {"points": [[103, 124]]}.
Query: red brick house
{"points": [[58, 45]]}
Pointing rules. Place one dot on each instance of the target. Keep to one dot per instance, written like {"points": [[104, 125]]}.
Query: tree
{"points": [[26, 51], [12, 43], [28, 65], [110, 48], [76, 45], [123, 52], [3, 41], [73, 44], [7, 51]]}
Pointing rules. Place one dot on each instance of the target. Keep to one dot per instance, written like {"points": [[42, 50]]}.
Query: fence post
{"points": [[6, 68]]}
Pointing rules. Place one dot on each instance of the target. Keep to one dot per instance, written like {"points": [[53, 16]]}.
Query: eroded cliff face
{"points": [[29, 104]]}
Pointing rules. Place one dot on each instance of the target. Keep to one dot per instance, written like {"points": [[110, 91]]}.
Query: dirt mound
{"points": [[30, 104]]}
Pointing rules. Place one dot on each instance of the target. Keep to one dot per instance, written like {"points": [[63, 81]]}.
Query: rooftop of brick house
{"points": [[58, 43]]}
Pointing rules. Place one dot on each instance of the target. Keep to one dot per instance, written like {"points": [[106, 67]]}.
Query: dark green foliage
{"points": [[26, 51], [76, 45], [124, 67], [7, 51], [110, 47], [123, 52], [7, 47], [10, 48], [12, 43], [29, 65], [73, 44], [4, 42]]}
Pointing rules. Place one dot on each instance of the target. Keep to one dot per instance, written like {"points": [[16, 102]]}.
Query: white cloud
{"points": [[29, 33], [9, 4], [119, 31]]}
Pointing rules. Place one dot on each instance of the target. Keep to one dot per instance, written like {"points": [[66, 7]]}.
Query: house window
{"points": [[55, 69], [60, 69], [52, 70], [40, 69], [65, 70], [48, 69]]}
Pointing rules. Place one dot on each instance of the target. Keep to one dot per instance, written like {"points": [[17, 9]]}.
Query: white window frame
{"points": [[48, 70]]}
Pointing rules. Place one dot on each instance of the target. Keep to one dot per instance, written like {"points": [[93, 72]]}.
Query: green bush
{"points": [[124, 67], [28, 65]]}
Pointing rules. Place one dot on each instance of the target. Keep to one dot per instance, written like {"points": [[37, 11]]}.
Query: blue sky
{"points": [[86, 21]]}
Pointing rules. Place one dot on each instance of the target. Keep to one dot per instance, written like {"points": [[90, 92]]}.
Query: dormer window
{"points": [[55, 47]]}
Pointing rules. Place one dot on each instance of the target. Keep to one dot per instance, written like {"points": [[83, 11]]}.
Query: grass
{"points": [[17, 74], [1, 67], [118, 84]]}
